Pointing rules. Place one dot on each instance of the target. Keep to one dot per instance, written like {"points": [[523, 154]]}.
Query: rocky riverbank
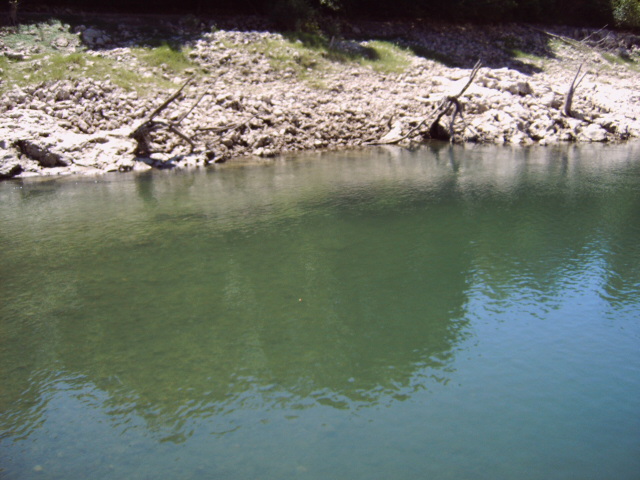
{"points": [[258, 93]]}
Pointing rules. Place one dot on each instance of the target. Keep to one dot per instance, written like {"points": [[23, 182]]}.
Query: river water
{"points": [[443, 313]]}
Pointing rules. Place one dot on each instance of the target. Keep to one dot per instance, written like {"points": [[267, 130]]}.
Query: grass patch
{"points": [[292, 55], [517, 53], [4, 66], [304, 56], [526, 58], [166, 57], [306, 60], [515, 48], [74, 66], [58, 66], [619, 60], [39, 36], [160, 62], [307, 56], [390, 58]]}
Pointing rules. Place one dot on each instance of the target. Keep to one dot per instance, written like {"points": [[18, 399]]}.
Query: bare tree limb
{"points": [[169, 100], [457, 111], [593, 33], [569, 100], [572, 42], [174, 129], [472, 76], [449, 104], [195, 104], [142, 133]]}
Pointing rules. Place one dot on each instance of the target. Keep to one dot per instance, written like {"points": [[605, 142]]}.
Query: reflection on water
{"points": [[386, 314]]}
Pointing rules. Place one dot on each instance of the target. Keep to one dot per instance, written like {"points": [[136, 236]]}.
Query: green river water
{"points": [[445, 313]]}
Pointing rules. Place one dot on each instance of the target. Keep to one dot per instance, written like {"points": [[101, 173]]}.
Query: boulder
{"points": [[60, 42], [551, 100], [42, 150], [94, 37], [519, 88], [593, 133], [9, 163], [394, 134]]}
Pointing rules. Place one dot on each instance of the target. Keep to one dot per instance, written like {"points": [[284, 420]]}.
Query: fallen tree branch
{"points": [[569, 100], [142, 133], [594, 33], [452, 102], [195, 104], [169, 100], [573, 42], [449, 104]]}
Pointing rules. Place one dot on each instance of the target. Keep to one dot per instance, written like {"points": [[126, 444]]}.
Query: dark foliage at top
{"points": [[291, 13]]}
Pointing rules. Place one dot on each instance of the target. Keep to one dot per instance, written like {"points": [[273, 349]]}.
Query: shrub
{"points": [[626, 13]]}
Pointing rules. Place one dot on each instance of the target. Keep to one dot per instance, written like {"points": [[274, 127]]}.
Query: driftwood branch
{"points": [[472, 76], [594, 33], [450, 104], [142, 133], [195, 104], [577, 44], [569, 100], [169, 100]]}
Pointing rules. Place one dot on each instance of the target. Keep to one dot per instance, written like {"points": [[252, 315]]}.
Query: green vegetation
{"points": [[159, 63], [626, 13], [53, 52], [305, 55], [297, 14], [388, 57], [517, 53], [72, 66], [167, 57], [527, 58], [629, 62], [517, 49], [41, 36], [306, 14]]}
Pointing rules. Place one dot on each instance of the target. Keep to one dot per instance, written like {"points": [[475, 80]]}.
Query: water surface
{"points": [[443, 313]]}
